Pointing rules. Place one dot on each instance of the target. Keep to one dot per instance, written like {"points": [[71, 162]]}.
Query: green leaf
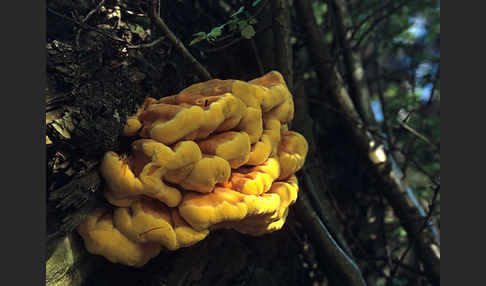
{"points": [[200, 34], [248, 32], [232, 24], [320, 10], [253, 21], [242, 24], [238, 12], [215, 32], [255, 3], [137, 29], [199, 37]]}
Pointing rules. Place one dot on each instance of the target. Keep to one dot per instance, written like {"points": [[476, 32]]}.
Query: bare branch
{"points": [[312, 172], [412, 242], [347, 270], [376, 11], [354, 68], [225, 46], [432, 92], [261, 69], [419, 135], [398, 195], [86, 18], [197, 67], [281, 39], [386, 121], [376, 22], [85, 26], [148, 45]]}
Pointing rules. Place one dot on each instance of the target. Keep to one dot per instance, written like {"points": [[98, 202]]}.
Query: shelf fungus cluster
{"points": [[217, 155]]}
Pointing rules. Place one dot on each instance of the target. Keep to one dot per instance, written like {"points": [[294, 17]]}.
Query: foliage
{"points": [[242, 20], [399, 44]]}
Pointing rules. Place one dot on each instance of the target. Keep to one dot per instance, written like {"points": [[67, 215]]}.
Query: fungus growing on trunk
{"points": [[216, 155]]}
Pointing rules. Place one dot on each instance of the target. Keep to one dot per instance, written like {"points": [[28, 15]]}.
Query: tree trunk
{"points": [[87, 104], [381, 169]]}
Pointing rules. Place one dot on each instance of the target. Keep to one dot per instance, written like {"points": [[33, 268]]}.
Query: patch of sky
{"points": [[425, 92], [422, 70], [376, 107], [418, 27], [418, 30]]}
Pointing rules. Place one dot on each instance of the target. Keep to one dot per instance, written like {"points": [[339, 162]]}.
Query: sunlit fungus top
{"points": [[216, 155]]}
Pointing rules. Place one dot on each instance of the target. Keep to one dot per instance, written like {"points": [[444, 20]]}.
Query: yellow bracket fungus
{"points": [[232, 146], [101, 237], [216, 155]]}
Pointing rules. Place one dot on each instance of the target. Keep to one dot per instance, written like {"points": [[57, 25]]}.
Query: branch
{"points": [[386, 121], [420, 136], [86, 18], [407, 209], [234, 41], [378, 10], [383, 103], [411, 243], [258, 59], [431, 96], [148, 45], [375, 24], [281, 39], [315, 209], [312, 174], [354, 68], [329, 251], [198, 69], [85, 26]]}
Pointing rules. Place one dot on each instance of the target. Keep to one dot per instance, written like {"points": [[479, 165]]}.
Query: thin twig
{"points": [[408, 156], [93, 11], [237, 31], [281, 40], [358, 124], [380, 9], [417, 165], [396, 193], [261, 69], [148, 45], [417, 134], [431, 97], [424, 225], [383, 231], [235, 41], [376, 22], [85, 19], [197, 67], [85, 26], [220, 48], [386, 121]]}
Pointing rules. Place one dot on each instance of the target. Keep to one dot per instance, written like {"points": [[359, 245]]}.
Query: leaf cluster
{"points": [[241, 21]]}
